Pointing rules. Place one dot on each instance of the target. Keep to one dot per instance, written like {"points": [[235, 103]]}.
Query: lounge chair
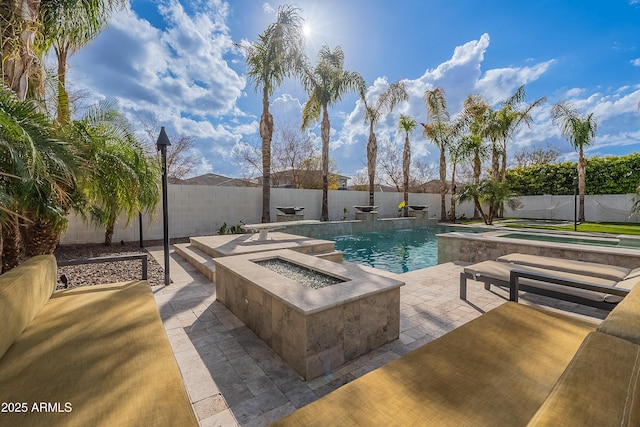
{"points": [[570, 286]]}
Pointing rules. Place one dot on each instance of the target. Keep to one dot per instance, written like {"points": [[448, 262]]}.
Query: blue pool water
{"points": [[396, 251]]}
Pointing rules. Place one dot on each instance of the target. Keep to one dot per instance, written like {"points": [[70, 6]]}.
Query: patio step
{"points": [[200, 260], [335, 256]]}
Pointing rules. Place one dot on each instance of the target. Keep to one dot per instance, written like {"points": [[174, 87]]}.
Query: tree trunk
{"points": [[266, 133], [406, 163], [12, 249], [325, 129], [20, 62], [452, 211], [63, 111], [582, 172], [108, 232], [41, 238], [495, 162], [443, 185], [477, 165], [372, 154]]}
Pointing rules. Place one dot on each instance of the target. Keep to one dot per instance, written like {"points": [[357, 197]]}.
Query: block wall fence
{"points": [[201, 210]]}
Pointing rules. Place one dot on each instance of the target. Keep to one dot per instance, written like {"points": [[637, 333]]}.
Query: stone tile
{"points": [[258, 405], [210, 406], [261, 384], [246, 367], [221, 419], [301, 396], [268, 417], [334, 385]]}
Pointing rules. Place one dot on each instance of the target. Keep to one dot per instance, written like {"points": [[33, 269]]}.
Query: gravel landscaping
{"points": [[108, 272]]}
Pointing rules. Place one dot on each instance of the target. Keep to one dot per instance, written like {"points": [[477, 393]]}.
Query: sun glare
{"points": [[306, 30]]}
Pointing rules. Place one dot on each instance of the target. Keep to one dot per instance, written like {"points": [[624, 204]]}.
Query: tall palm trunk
{"points": [[109, 229], [495, 160], [452, 210], [19, 64], [477, 165], [443, 185], [63, 110], [406, 162], [325, 129], [266, 133], [372, 154], [582, 172]]}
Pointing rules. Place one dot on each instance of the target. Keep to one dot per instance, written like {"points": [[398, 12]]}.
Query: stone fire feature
{"points": [[314, 330]]}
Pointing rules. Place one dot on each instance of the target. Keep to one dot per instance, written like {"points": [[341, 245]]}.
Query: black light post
{"points": [[161, 145], [575, 204]]}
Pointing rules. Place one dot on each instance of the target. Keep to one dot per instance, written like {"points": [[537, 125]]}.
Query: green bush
{"points": [[605, 175]]}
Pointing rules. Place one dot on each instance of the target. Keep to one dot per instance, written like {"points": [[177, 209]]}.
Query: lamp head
{"points": [[163, 140]]}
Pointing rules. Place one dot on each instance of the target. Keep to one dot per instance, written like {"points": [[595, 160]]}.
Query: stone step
{"points": [[200, 260], [335, 256]]}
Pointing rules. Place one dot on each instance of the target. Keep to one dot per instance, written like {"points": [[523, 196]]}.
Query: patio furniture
{"points": [[88, 356], [515, 365], [570, 286]]}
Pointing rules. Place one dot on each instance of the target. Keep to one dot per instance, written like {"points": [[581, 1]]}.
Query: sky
{"points": [[177, 64]]}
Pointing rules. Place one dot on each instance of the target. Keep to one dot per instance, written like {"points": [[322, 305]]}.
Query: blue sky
{"points": [[176, 62]]}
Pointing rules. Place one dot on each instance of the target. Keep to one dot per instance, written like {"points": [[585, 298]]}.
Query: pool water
{"points": [[396, 251]]}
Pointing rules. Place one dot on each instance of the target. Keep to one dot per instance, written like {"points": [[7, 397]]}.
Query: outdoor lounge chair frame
{"points": [[515, 287]]}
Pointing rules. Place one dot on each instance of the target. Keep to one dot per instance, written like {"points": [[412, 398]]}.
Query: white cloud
{"points": [[635, 62], [268, 9]]}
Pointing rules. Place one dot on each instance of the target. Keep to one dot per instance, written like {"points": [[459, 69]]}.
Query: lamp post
{"points": [[575, 204], [161, 145]]}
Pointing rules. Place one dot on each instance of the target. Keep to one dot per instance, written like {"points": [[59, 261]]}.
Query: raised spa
{"points": [[315, 329]]}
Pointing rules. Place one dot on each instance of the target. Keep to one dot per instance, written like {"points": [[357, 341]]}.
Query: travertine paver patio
{"points": [[233, 378]]}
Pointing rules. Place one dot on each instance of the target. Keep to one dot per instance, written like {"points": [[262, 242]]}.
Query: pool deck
{"points": [[235, 379]]}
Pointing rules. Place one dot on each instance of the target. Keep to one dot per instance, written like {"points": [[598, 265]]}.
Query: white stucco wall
{"points": [[201, 210]]}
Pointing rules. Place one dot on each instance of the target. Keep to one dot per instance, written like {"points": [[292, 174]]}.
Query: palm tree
{"points": [[276, 55], [510, 117], [326, 84], [475, 113], [68, 28], [439, 131], [37, 178], [119, 177], [385, 103], [408, 125], [580, 131], [27, 30], [491, 194]]}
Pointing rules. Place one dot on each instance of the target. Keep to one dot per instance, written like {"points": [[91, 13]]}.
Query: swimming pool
{"points": [[396, 251]]}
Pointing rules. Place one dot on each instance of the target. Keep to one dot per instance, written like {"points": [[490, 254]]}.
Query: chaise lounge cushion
{"points": [[604, 271], [624, 320], [494, 370], [600, 387], [103, 350], [23, 292]]}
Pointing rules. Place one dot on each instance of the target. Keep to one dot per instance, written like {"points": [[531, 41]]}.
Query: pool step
{"points": [[197, 258]]}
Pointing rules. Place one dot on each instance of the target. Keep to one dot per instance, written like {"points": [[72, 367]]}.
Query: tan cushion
{"points": [[24, 290], [104, 350], [494, 370], [604, 271], [633, 273], [624, 319], [600, 387]]}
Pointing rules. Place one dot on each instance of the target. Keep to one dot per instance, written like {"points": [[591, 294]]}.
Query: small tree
{"points": [[580, 131], [408, 125], [488, 196]]}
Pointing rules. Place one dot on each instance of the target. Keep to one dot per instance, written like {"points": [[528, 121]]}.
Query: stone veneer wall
{"points": [[473, 248], [339, 228], [317, 342]]}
